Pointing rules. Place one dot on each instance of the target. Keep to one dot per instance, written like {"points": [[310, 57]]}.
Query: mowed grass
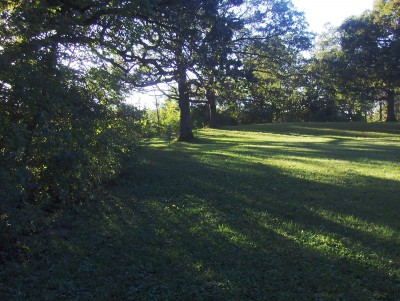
{"points": [[265, 212]]}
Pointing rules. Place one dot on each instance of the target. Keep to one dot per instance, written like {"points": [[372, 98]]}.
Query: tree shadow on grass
{"points": [[343, 129], [331, 147], [242, 236]]}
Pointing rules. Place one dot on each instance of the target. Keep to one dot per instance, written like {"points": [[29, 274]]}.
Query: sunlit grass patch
{"points": [[355, 223], [332, 244]]}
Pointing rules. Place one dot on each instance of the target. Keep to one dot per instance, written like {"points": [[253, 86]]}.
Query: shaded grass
{"points": [[267, 212]]}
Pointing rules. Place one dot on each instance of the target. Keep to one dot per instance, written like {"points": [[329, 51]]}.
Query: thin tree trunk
{"points": [[380, 110], [391, 116], [210, 94], [158, 117]]}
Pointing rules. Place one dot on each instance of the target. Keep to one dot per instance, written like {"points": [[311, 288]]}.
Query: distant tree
{"points": [[337, 89], [216, 66], [372, 43], [170, 115], [270, 46]]}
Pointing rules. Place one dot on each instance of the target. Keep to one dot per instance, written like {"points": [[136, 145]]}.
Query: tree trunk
{"points": [[210, 94], [185, 130], [185, 133], [380, 110], [391, 116]]}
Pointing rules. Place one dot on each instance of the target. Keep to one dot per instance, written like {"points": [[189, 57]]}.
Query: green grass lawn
{"points": [[266, 212]]}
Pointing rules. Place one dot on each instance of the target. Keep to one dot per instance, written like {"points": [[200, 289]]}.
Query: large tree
{"points": [[218, 40], [176, 42], [372, 42]]}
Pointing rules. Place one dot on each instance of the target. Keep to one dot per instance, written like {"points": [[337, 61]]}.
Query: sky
{"points": [[320, 12], [317, 12]]}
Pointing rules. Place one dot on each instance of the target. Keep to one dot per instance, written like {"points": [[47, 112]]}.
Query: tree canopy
{"points": [[371, 42]]}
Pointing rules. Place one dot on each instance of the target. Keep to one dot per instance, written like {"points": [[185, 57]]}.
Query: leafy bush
{"points": [[170, 116], [61, 135]]}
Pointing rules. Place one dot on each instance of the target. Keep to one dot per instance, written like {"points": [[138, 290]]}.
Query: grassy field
{"points": [[265, 212]]}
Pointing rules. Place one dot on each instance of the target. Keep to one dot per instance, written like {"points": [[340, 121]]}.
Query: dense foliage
{"points": [[372, 43], [62, 131]]}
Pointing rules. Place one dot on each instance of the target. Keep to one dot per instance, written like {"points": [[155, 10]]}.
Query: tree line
{"points": [[350, 73]]}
